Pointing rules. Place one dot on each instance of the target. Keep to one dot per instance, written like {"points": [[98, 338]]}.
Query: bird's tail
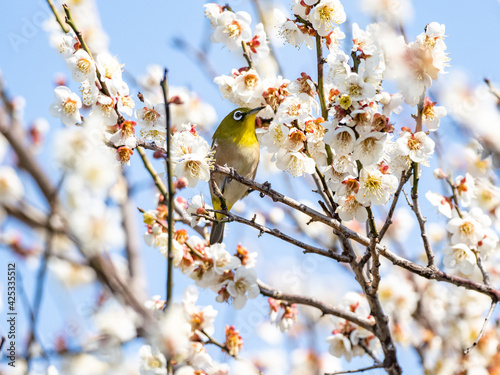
{"points": [[217, 233]]}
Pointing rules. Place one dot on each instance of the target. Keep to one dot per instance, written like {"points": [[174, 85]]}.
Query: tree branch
{"points": [[324, 308]]}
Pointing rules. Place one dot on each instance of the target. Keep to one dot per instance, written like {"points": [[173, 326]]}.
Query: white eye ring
{"points": [[238, 115]]}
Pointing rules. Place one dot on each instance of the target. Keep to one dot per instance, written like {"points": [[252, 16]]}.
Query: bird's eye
{"points": [[238, 115]]}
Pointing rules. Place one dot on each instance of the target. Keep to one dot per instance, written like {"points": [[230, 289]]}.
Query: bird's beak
{"points": [[255, 110]]}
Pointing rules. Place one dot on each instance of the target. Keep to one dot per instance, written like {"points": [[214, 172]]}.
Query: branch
{"points": [[483, 328], [58, 18], [246, 55], [358, 370], [132, 248], [323, 307], [321, 89], [171, 194], [436, 274], [346, 233], [102, 85], [405, 175], [26, 159], [420, 218], [163, 190], [276, 233], [211, 340]]}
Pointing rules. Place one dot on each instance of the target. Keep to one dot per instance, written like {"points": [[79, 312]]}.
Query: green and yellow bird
{"points": [[236, 145]]}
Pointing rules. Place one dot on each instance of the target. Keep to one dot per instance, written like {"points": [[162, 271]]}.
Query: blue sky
{"points": [[141, 33]]}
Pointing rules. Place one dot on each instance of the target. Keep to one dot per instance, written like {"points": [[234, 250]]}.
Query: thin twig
{"points": [[321, 88], [483, 328], [323, 307], [246, 55], [479, 261], [346, 233], [278, 234], [493, 90], [421, 219], [355, 371], [58, 17], [213, 341], [102, 84], [369, 352], [454, 196], [405, 175], [171, 194]]}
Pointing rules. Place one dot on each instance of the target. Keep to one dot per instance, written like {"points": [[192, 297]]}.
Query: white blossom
{"points": [[327, 15], [375, 187], [11, 187], [82, 66], [66, 106], [232, 29], [461, 257], [297, 163], [418, 146], [152, 361], [243, 286], [222, 260]]}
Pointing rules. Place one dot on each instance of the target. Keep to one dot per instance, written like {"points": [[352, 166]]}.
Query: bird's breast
{"points": [[244, 158]]}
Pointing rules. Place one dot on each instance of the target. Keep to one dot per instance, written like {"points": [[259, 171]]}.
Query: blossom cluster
{"points": [[471, 208], [184, 328], [232, 277], [348, 340], [342, 128]]}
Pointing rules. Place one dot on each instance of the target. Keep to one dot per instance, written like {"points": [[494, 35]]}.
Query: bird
{"points": [[235, 145]]}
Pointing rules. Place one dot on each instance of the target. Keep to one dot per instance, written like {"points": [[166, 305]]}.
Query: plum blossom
{"points": [[346, 336], [340, 346], [222, 260], [82, 66], [342, 139], [468, 229], [172, 337], [370, 147], [417, 146], [153, 362], [243, 88], [461, 257], [465, 189], [326, 15], [291, 32], [196, 206], [297, 163], [444, 204], [200, 318], [258, 46], [232, 29], [356, 87], [11, 187], [151, 119], [191, 156], [212, 12], [243, 286], [66, 106], [349, 208], [375, 187], [432, 114], [283, 314]]}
